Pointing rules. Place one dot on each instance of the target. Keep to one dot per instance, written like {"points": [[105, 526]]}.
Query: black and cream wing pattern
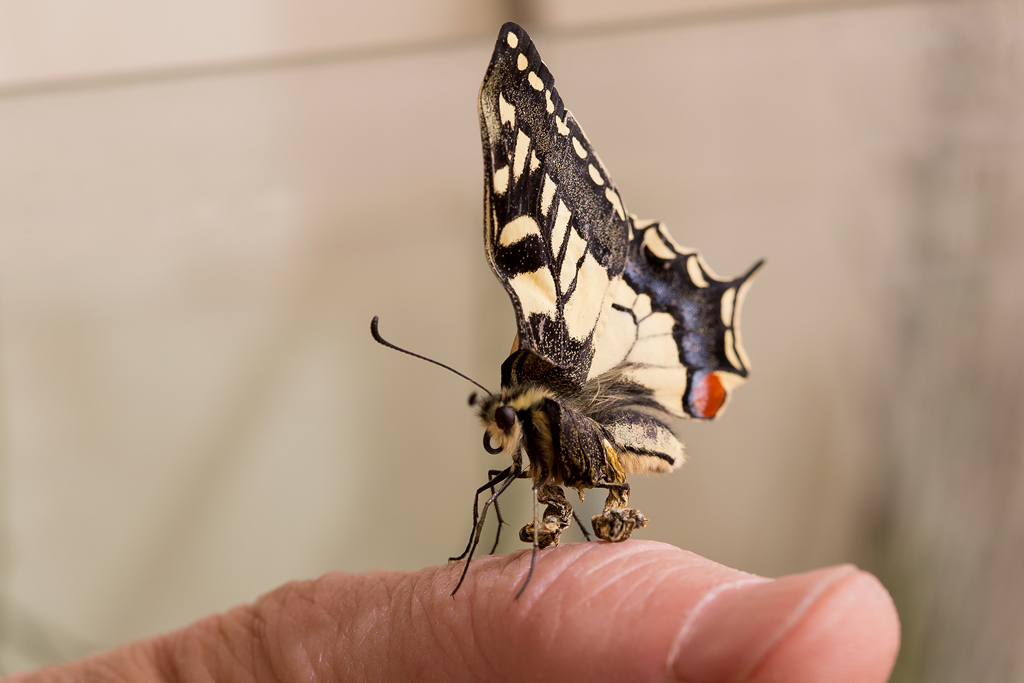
{"points": [[599, 295], [617, 324]]}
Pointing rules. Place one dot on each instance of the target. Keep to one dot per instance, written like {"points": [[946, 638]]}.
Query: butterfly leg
{"points": [[497, 510], [511, 476], [557, 516], [579, 523], [536, 540], [495, 478], [616, 522]]}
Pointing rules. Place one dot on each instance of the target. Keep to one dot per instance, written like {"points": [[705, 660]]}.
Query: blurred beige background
{"points": [[202, 204]]}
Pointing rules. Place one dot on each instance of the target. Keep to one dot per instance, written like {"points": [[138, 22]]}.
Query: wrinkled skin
{"points": [[638, 611]]}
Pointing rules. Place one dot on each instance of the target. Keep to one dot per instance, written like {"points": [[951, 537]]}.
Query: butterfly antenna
{"points": [[536, 542], [380, 340]]}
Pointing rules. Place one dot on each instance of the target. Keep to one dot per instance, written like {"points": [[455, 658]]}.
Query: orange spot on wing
{"points": [[707, 396]]}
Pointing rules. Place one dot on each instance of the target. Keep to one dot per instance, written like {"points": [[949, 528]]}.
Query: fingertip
{"points": [[625, 609], [601, 611], [850, 633]]}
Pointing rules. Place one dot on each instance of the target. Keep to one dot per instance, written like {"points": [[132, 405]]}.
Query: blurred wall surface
{"points": [[202, 204]]}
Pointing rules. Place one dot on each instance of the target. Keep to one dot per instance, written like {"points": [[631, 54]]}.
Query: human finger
{"points": [[629, 611]]}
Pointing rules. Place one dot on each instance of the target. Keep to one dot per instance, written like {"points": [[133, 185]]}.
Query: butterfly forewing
{"points": [[594, 291], [556, 231]]}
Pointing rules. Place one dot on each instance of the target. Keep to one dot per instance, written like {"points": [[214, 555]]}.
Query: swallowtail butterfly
{"points": [[618, 325]]}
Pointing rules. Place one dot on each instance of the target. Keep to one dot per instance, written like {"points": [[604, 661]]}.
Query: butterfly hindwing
{"points": [[674, 326]]}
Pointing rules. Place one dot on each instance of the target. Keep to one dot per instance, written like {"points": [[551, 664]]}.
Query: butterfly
{"points": [[618, 326]]}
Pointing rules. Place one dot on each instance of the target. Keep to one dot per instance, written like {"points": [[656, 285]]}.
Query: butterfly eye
{"points": [[504, 417]]}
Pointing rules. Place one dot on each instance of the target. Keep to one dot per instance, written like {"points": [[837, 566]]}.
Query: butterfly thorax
{"points": [[561, 444]]}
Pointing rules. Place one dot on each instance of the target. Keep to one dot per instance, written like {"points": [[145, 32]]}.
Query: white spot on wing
{"points": [[683, 250], [580, 151], [573, 251], [518, 229], [615, 331], [653, 241], [534, 161], [535, 81], [522, 62], [584, 305], [669, 240], [506, 111], [547, 193], [562, 128], [740, 295], [562, 215], [536, 292], [730, 351], [501, 180], [658, 357], [657, 325], [513, 40], [519, 162], [622, 294], [696, 274], [667, 385], [642, 307], [655, 345], [728, 299], [595, 175], [613, 197], [549, 104]]}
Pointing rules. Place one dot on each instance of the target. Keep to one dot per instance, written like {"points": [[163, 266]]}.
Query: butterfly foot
{"points": [[616, 524], [548, 534]]}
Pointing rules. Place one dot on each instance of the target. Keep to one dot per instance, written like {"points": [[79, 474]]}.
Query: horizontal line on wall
{"points": [[733, 14]]}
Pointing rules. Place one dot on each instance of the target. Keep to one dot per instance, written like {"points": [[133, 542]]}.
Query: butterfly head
{"points": [[504, 415]]}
